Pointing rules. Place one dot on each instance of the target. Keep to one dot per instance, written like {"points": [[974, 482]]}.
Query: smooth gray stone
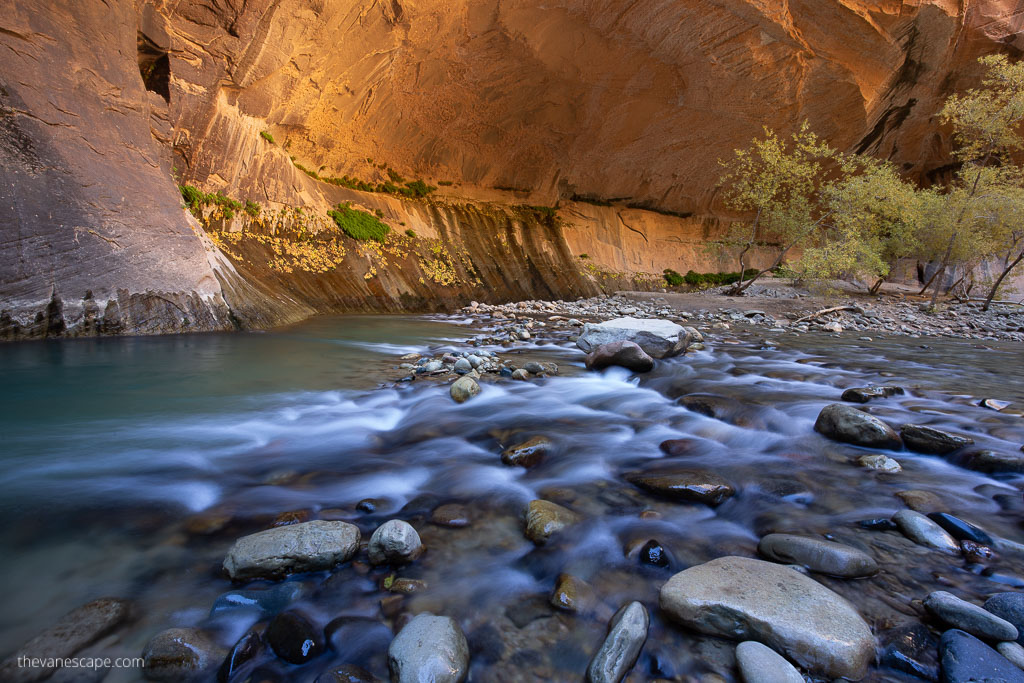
{"points": [[306, 547], [394, 542], [429, 648], [924, 439], [817, 555], [658, 338], [969, 617], [760, 664], [617, 655], [464, 389], [965, 659], [1013, 652], [923, 531], [747, 599]]}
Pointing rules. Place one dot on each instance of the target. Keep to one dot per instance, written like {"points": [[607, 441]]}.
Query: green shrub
{"points": [[445, 183], [395, 178], [357, 224], [695, 279], [584, 256], [378, 213], [547, 212], [673, 278], [411, 233], [417, 188], [193, 197], [267, 136], [252, 208]]}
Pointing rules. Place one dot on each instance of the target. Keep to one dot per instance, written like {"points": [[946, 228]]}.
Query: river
{"points": [[131, 465]]}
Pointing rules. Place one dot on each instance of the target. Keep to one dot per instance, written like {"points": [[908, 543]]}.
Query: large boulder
{"points": [[429, 648], [624, 354], [306, 547], [846, 423], [747, 599], [657, 338]]}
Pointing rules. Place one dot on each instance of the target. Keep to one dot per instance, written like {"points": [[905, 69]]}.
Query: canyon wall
{"points": [[107, 106]]}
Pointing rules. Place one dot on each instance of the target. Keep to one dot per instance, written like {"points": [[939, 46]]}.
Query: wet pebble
{"points": [[1009, 606], [464, 389], [347, 673], [992, 462], [684, 486], [528, 454], [925, 439], [394, 542], [879, 463], [817, 555], [923, 531], [450, 515], [294, 638], [653, 553], [760, 664], [959, 529], [969, 617], [182, 654], [965, 659], [1013, 652], [865, 394], [544, 518], [621, 647], [845, 423], [429, 648], [274, 553]]}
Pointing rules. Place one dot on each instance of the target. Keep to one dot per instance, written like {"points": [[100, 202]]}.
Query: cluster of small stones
{"points": [[897, 318], [475, 365]]}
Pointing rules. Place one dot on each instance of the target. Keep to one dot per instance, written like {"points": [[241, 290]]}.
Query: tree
{"points": [[986, 192], [872, 222], [776, 181]]}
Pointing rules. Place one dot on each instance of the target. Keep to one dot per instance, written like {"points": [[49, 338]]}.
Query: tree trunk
{"points": [[1002, 276], [877, 286], [942, 270]]}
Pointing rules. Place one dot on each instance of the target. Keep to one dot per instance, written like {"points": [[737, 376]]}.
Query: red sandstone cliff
{"points": [[608, 99]]}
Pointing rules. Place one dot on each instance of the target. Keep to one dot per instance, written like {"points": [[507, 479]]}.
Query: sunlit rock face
{"points": [[517, 102]]}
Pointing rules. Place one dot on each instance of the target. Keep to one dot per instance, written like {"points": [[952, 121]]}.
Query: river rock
{"points": [[617, 655], [846, 423], [1013, 652], [880, 463], [294, 638], [527, 454], [452, 515], [75, 630], [571, 594], [760, 664], [521, 375], [463, 389], [969, 617], [431, 649], [182, 654], [994, 404], [462, 366], [817, 555], [307, 547], [924, 531], [959, 529], [347, 673], [685, 486], [924, 439], [653, 553], [544, 518], [992, 462], [264, 602], [658, 338], [912, 649], [1009, 606], [965, 659], [747, 599], [394, 542], [248, 647], [625, 354], [865, 394]]}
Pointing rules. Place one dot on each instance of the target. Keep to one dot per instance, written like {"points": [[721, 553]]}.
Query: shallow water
{"points": [[131, 465]]}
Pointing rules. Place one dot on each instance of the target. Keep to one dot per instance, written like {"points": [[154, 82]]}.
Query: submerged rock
{"points": [[306, 547], [924, 531], [924, 439], [865, 394], [657, 338], [450, 515], [742, 598], [347, 673], [817, 555], [571, 594], [959, 529], [544, 518], [845, 423], [429, 648], [75, 630], [182, 654], [760, 664], [294, 638], [969, 617], [624, 354], [685, 486], [527, 454], [992, 462], [880, 463], [394, 542], [965, 659], [621, 647]]}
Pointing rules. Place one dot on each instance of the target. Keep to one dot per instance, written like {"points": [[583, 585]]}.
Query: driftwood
{"points": [[826, 311]]}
